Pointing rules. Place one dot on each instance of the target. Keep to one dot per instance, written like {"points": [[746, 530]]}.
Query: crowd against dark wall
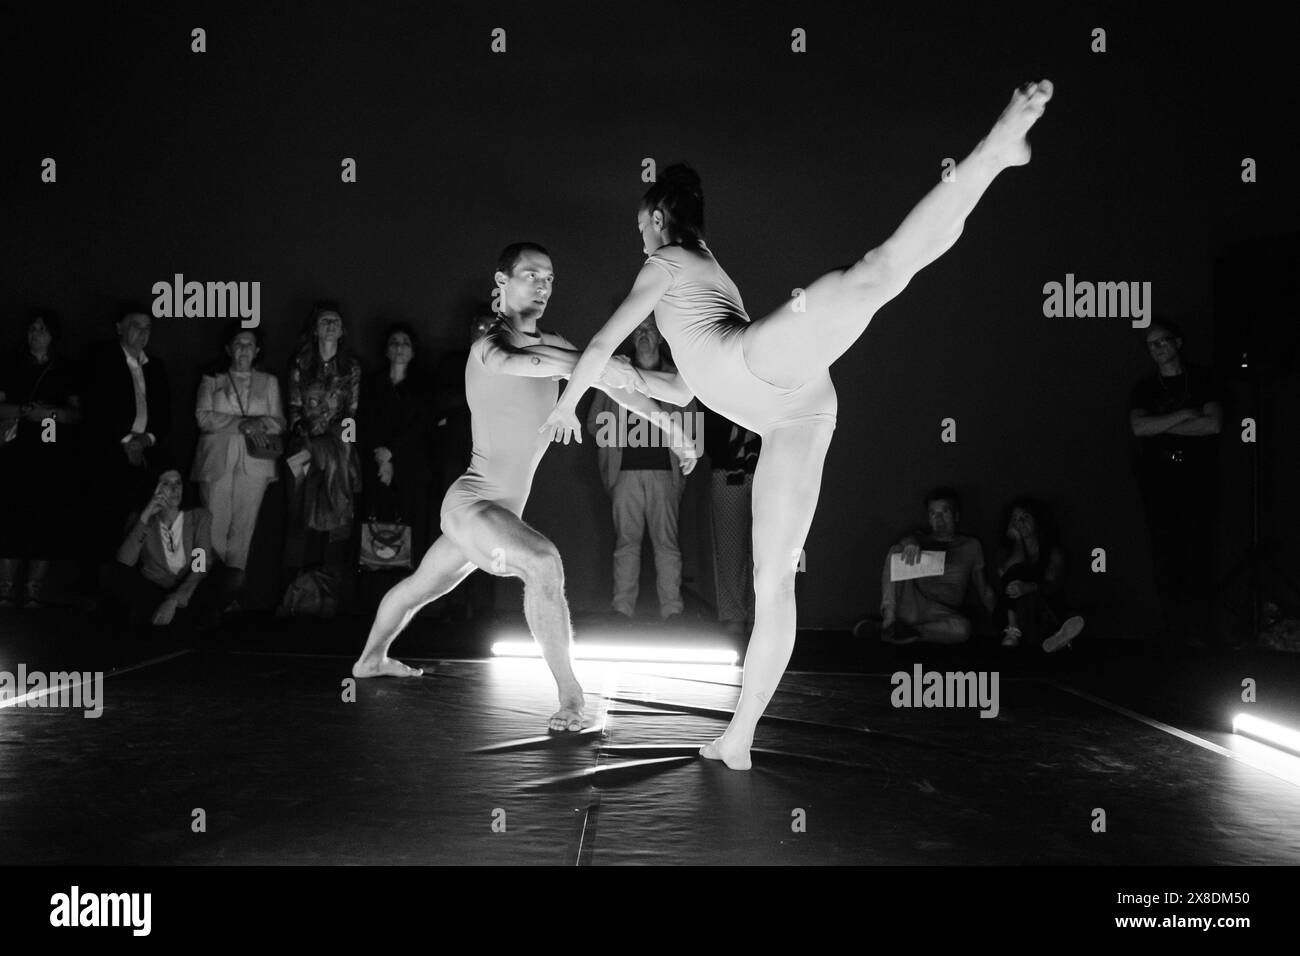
{"points": [[91, 478]]}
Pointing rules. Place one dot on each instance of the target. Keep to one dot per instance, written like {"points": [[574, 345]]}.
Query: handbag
{"points": [[258, 444], [385, 545]]}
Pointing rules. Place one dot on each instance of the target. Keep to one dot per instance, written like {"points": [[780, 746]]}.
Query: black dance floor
{"points": [[262, 747]]}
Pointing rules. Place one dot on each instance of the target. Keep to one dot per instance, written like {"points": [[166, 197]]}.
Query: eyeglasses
{"points": [[1163, 340]]}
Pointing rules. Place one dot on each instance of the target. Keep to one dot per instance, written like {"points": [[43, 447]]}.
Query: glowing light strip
{"points": [[623, 652], [1268, 732]]}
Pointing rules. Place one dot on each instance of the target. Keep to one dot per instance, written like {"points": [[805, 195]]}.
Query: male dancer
{"points": [[510, 384]]}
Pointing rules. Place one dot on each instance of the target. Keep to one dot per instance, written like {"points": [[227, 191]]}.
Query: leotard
{"points": [[703, 319], [506, 412]]}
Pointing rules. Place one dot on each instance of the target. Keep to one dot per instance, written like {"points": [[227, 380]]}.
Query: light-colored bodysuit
{"points": [[703, 319], [506, 412]]}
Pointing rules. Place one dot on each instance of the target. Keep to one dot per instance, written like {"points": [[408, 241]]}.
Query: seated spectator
{"points": [[157, 575], [39, 409], [932, 609], [1031, 581], [234, 401], [643, 475]]}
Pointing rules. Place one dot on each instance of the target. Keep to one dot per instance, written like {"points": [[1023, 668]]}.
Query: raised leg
{"points": [[808, 333], [444, 566], [787, 483], [499, 541]]}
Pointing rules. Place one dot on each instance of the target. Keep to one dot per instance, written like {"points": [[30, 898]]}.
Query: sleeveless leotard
{"points": [[703, 319], [506, 412]]}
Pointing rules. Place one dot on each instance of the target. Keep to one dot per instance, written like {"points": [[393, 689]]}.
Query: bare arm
{"points": [[1209, 422], [666, 386], [651, 283], [679, 442], [535, 361]]}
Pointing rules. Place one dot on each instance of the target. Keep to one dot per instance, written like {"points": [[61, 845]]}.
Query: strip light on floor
{"points": [[1266, 732], [623, 652]]}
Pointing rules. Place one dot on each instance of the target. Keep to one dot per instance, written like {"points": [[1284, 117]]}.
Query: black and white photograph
{"points": [[727, 434]]}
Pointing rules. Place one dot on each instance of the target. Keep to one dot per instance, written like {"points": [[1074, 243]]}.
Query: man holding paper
{"points": [[927, 577]]}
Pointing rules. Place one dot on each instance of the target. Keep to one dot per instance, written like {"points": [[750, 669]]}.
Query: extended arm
{"points": [[651, 283], [534, 361], [666, 386], [671, 425]]}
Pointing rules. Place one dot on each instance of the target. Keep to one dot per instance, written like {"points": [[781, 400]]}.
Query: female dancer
{"points": [[772, 375]]}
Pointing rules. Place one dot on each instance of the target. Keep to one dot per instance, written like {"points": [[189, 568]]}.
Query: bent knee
{"points": [[540, 564]]}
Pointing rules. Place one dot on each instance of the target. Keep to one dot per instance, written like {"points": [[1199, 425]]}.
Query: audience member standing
{"points": [[39, 409], [398, 434], [236, 402], [1176, 416], [321, 451], [645, 482], [733, 453], [127, 411]]}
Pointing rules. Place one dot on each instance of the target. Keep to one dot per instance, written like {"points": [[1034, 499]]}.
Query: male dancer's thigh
{"points": [[443, 566], [495, 538], [787, 484]]}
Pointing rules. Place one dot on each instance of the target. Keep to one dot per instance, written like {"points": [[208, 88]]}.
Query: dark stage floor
{"points": [[456, 767]]}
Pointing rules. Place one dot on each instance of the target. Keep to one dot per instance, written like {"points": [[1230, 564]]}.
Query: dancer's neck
{"points": [[524, 325], [1171, 368], [397, 374]]}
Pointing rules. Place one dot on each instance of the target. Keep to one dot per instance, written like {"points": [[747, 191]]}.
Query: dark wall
{"points": [[225, 166]]}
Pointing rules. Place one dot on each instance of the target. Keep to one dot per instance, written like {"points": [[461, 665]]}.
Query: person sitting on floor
{"points": [[1031, 578], [930, 608], [161, 570]]}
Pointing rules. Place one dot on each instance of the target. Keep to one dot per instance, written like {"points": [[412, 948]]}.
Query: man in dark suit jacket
{"points": [[128, 416]]}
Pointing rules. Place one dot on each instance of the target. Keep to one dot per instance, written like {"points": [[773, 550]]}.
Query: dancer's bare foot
{"points": [[383, 667], [569, 717], [734, 755], [1006, 143]]}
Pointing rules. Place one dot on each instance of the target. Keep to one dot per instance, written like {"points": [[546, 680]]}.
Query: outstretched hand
{"points": [[561, 425]]}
